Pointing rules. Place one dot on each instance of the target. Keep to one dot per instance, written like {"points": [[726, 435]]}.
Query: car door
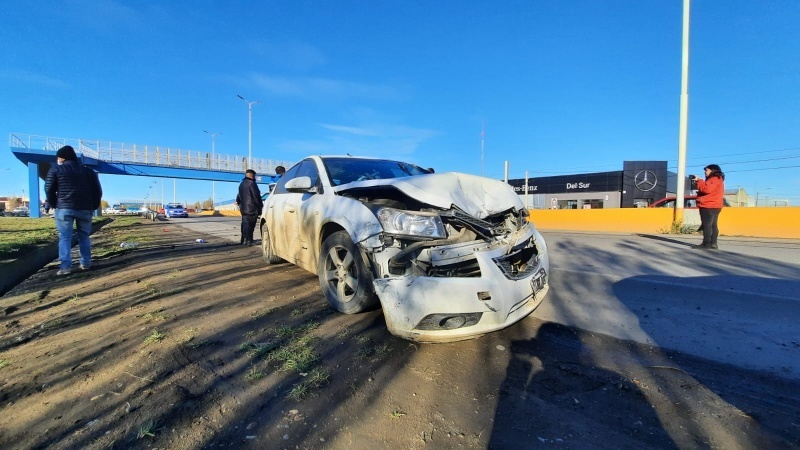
{"points": [[301, 221], [277, 216]]}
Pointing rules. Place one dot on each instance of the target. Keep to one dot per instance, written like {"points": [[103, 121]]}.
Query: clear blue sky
{"points": [[562, 86]]}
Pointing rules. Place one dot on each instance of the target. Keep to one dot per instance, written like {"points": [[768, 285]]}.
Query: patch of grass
{"points": [[397, 414], [19, 234], [73, 299], [368, 351], [174, 274], [285, 331], [155, 336], [52, 323], [297, 312], [258, 349], [188, 336], [296, 356], [261, 313], [147, 429], [156, 315], [318, 377], [250, 334], [4, 362], [298, 392], [292, 348], [678, 228], [254, 374]]}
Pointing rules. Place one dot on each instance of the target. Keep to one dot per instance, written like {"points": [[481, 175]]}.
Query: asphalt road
{"points": [[739, 305]]}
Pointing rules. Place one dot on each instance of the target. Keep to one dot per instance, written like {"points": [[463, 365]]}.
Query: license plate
{"points": [[538, 281]]}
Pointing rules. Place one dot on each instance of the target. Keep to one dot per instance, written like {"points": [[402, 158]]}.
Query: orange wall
{"points": [[755, 222]]}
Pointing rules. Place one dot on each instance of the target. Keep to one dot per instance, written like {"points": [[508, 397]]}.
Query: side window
{"points": [[280, 188], [306, 168], [309, 169]]}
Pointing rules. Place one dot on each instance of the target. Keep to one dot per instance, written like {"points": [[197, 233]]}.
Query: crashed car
{"points": [[448, 256]]}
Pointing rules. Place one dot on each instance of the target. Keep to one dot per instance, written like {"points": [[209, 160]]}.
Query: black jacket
{"points": [[72, 185], [249, 198]]}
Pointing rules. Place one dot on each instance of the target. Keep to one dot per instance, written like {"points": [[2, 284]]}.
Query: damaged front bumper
{"points": [[450, 308]]}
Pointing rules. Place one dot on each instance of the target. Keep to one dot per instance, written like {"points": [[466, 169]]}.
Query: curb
{"points": [[16, 271]]}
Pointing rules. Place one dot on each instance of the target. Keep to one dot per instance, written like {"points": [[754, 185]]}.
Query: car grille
{"points": [[463, 269], [521, 262]]}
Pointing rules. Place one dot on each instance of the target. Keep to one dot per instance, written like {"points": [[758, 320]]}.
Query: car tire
{"points": [[266, 248], [343, 275]]}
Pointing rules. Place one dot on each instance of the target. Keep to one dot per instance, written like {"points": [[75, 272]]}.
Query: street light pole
{"points": [[213, 187], [683, 118], [249, 130]]}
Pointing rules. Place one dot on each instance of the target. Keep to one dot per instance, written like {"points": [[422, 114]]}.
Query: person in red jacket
{"points": [[710, 193]]}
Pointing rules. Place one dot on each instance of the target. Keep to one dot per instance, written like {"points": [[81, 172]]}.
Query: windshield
{"points": [[174, 206], [347, 170]]}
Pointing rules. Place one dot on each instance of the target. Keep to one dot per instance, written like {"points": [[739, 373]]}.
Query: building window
{"points": [[593, 204]]}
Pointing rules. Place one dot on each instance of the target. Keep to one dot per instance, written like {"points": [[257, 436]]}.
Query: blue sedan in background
{"points": [[175, 210]]}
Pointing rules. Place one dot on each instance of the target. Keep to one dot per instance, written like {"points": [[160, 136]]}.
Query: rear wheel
{"points": [[266, 248], [343, 275]]}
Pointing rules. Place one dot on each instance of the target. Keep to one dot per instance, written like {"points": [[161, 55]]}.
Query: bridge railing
{"points": [[128, 153]]}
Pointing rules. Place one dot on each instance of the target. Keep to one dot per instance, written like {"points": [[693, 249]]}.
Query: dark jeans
{"points": [[248, 226], [709, 218]]}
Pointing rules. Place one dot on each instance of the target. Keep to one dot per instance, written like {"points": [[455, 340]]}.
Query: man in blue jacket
{"points": [[74, 191], [250, 204]]}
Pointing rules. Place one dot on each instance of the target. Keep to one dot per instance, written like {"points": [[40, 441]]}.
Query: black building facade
{"points": [[638, 184]]}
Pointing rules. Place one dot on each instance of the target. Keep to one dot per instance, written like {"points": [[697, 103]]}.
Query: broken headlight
{"points": [[411, 223]]}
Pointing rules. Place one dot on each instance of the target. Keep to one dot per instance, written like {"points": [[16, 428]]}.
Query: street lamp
{"points": [[213, 135], [249, 130]]}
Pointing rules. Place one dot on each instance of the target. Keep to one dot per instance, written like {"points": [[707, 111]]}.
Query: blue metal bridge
{"points": [[118, 158]]}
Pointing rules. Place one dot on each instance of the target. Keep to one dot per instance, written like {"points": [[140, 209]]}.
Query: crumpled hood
{"points": [[477, 196]]}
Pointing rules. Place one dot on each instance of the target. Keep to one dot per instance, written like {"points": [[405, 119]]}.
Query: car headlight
{"points": [[395, 221]]}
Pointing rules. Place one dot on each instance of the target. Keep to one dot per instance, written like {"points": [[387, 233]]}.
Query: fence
{"points": [[146, 154]]}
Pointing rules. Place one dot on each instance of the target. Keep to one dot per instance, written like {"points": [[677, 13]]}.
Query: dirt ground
{"points": [[184, 345]]}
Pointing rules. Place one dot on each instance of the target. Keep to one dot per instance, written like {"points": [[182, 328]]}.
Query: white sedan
{"points": [[448, 256]]}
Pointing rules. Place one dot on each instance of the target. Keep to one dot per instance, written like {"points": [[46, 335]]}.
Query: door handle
{"points": [[290, 208]]}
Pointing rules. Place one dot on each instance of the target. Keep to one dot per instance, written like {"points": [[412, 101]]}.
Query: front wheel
{"points": [[266, 247], [343, 275]]}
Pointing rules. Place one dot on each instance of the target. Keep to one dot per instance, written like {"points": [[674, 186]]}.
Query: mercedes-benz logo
{"points": [[645, 180]]}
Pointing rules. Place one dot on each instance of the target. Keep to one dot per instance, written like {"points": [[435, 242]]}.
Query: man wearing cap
{"points": [[74, 192], [250, 204]]}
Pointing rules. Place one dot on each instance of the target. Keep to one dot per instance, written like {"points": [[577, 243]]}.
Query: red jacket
{"points": [[710, 192]]}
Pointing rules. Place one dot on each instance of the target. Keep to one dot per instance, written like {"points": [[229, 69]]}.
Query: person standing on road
{"points": [[250, 204], [74, 192], [710, 193]]}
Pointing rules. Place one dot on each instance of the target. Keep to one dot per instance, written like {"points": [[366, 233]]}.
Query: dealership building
{"points": [[638, 184]]}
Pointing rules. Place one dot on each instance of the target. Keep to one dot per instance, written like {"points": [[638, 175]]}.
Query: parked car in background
{"points": [[689, 201], [449, 256], [20, 211], [175, 210]]}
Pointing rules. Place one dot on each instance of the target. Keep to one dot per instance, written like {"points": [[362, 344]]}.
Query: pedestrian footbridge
{"points": [[119, 158]]}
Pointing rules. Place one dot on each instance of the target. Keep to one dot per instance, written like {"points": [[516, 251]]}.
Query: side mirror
{"points": [[299, 184]]}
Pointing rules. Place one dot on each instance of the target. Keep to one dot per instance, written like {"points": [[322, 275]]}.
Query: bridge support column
{"points": [[33, 190]]}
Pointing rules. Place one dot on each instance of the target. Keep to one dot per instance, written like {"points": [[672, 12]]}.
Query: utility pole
{"points": [[684, 117]]}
